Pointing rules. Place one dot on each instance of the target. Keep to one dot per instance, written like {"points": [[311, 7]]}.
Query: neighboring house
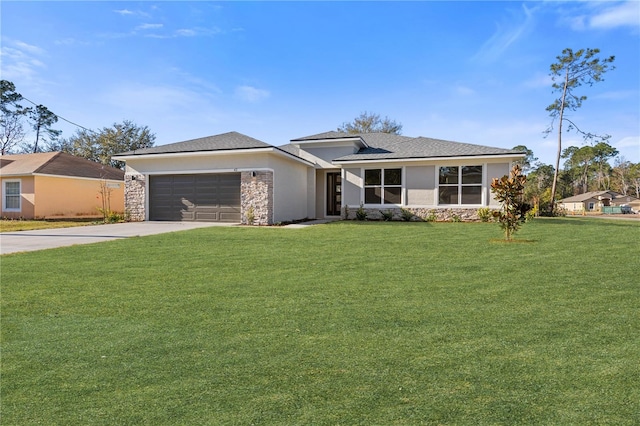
{"points": [[56, 185], [235, 178], [595, 201]]}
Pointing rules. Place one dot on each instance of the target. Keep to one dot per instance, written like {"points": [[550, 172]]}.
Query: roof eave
{"points": [[80, 177], [270, 149], [127, 156]]}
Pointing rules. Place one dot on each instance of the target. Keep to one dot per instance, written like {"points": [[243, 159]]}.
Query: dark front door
{"points": [[334, 193]]}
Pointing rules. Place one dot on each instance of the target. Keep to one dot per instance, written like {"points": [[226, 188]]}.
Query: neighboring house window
{"points": [[383, 186], [11, 195], [460, 185], [592, 205]]}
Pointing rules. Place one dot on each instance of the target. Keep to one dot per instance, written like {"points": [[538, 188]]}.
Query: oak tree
{"points": [[102, 145], [368, 122]]}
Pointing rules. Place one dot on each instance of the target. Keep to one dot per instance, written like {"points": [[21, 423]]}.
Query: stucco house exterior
{"points": [[597, 201], [233, 177], [57, 185]]}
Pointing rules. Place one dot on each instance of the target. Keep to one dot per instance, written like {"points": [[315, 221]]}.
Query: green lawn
{"points": [[347, 323], [12, 225]]}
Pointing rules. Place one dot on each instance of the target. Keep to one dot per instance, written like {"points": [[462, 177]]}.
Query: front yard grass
{"points": [[13, 225], [347, 323]]}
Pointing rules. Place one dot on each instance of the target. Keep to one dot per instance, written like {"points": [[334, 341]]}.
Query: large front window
{"points": [[383, 186], [11, 193], [460, 185]]}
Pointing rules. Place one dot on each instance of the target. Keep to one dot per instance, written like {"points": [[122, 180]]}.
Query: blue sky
{"points": [[473, 72]]}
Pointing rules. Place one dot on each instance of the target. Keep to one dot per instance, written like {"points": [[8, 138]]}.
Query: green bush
{"points": [[386, 215], [484, 213], [109, 216], [361, 213], [251, 216], [431, 217], [406, 215]]}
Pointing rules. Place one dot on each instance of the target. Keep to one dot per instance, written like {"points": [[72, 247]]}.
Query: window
{"points": [[11, 195], [460, 185], [592, 205], [383, 186]]}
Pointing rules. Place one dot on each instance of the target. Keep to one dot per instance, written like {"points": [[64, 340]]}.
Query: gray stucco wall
{"points": [[351, 185], [495, 170], [420, 185]]}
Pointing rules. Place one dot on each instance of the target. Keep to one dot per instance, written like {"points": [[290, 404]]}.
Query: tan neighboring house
{"points": [[596, 201], [57, 185]]}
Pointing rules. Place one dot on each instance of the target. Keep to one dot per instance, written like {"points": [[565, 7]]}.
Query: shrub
{"points": [[484, 213], [386, 215], [406, 215], [431, 217], [531, 214], [109, 216], [361, 213], [455, 218], [250, 215]]}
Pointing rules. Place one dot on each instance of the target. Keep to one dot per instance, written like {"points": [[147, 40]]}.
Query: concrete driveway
{"points": [[14, 242]]}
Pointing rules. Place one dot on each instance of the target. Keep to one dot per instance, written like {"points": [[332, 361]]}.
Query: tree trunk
{"points": [[561, 115], [35, 145]]}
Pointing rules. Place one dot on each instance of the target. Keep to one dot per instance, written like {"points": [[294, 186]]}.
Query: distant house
{"points": [[598, 201], [57, 185], [235, 178]]}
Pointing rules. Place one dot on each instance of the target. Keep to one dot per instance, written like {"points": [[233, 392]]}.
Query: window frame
{"points": [[5, 195], [382, 185], [459, 184]]}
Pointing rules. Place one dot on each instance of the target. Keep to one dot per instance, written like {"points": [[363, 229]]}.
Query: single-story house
{"points": [[58, 185], [233, 177], [595, 201]]}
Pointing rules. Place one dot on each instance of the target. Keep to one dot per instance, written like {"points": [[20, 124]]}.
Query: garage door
{"points": [[205, 198]]}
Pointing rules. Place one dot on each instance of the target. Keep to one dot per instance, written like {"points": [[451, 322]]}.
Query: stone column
{"points": [[256, 200], [134, 196]]}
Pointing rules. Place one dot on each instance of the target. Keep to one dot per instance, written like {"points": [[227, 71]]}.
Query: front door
{"points": [[334, 194]]}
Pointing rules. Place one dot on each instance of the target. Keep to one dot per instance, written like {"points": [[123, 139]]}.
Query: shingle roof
{"points": [[587, 196], [388, 146], [326, 135], [225, 141], [422, 147], [368, 138], [56, 163], [291, 149]]}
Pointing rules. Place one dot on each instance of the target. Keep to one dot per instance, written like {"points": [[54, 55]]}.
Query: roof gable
{"points": [[222, 142], [58, 164], [326, 135], [24, 164]]}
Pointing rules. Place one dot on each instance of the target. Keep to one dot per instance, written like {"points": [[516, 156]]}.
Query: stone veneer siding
{"points": [[420, 214], [134, 196], [256, 197]]}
